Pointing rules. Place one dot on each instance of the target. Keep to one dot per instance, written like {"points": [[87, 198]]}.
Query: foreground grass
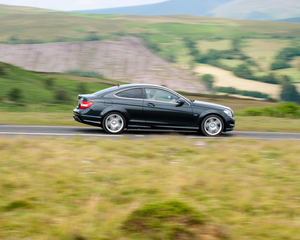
{"points": [[86, 189], [243, 123], [39, 118]]}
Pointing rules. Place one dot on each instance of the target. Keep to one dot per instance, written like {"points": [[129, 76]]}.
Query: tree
{"points": [[269, 79], [209, 80], [279, 64], [15, 94], [49, 82], [289, 92], [82, 88], [62, 95], [236, 44], [243, 71], [2, 71]]}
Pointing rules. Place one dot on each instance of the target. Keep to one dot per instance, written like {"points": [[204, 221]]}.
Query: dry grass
{"points": [[293, 73], [85, 189], [263, 51], [205, 45], [38, 118], [225, 78], [267, 124]]}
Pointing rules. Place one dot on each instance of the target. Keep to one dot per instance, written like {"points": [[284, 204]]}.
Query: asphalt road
{"points": [[94, 132]]}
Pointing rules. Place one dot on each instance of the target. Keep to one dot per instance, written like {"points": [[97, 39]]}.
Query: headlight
{"points": [[228, 112]]}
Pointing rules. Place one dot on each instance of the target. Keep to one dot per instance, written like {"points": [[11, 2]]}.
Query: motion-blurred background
{"points": [[225, 50]]}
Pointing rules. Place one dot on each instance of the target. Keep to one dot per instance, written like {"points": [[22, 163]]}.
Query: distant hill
{"points": [[4, 9], [172, 7], [258, 9], [291, 20], [267, 10]]}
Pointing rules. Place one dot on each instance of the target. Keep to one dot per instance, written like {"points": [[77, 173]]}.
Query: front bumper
{"points": [[229, 125]]}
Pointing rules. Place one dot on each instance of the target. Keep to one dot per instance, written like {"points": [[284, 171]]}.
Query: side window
{"points": [[160, 95], [131, 93]]}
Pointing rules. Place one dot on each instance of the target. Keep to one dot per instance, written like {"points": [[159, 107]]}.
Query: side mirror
{"points": [[180, 102]]}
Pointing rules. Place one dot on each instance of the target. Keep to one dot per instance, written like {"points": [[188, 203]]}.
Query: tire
{"points": [[114, 123], [212, 125]]}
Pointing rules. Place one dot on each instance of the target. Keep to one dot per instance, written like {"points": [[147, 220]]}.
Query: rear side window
{"points": [[131, 93]]}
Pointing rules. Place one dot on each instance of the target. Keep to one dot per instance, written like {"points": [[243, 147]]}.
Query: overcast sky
{"points": [[67, 5]]}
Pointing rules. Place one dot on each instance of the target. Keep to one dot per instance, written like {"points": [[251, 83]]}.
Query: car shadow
{"points": [[147, 132]]}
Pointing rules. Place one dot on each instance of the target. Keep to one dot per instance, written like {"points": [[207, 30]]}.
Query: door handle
{"points": [[151, 104]]}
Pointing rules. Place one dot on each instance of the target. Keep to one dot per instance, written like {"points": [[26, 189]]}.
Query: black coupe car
{"points": [[150, 106]]}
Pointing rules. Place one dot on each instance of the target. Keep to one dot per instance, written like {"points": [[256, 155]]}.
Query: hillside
{"points": [[127, 60], [8, 9], [24, 26], [291, 20], [42, 93]]}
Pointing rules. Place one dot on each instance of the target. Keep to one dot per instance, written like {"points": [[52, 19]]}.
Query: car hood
{"points": [[209, 105]]}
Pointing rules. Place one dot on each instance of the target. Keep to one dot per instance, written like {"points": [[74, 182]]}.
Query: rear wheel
{"points": [[114, 123], [212, 125]]}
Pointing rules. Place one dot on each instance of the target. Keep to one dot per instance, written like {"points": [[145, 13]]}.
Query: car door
{"points": [[131, 100], [160, 108]]}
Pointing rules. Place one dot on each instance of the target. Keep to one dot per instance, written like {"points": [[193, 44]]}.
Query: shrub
{"points": [[86, 74], [62, 95], [169, 220], [93, 37], [16, 205], [285, 110], [15, 94], [232, 90]]}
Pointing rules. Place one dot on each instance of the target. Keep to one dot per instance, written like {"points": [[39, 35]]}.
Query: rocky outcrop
{"points": [[127, 60]]}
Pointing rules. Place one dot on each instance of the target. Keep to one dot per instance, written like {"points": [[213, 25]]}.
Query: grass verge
{"points": [[86, 189]]}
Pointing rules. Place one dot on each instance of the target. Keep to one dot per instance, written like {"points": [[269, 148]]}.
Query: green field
{"points": [[87, 189], [39, 91]]}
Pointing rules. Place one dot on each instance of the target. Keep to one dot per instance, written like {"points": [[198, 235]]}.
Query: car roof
{"points": [[141, 85], [125, 86]]}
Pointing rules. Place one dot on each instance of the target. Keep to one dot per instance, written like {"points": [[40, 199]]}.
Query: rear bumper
{"points": [[79, 116]]}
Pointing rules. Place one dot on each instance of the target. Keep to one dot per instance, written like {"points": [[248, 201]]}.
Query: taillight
{"points": [[85, 104]]}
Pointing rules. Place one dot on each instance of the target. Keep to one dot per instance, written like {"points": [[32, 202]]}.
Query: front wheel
{"points": [[212, 125], [113, 123]]}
